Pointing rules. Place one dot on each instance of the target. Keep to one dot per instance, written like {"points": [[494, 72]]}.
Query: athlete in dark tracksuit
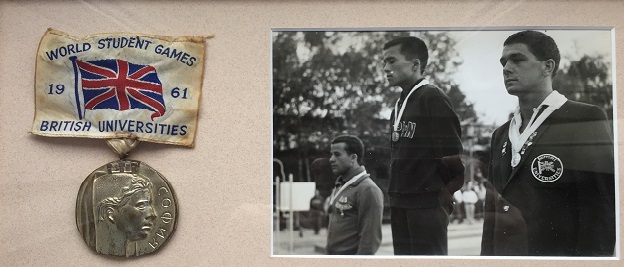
{"points": [[424, 165]]}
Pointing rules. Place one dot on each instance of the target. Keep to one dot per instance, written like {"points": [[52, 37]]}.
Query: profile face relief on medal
{"points": [[132, 212], [126, 208]]}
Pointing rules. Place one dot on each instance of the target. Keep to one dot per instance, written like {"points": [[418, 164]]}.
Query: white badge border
{"points": [[555, 159]]}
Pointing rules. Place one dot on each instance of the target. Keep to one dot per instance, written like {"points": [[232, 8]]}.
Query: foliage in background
{"points": [[329, 83], [587, 80]]}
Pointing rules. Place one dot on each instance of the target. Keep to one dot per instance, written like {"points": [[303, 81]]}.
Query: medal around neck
{"points": [[515, 159], [126, 208], [399, 112], [395, 136]]}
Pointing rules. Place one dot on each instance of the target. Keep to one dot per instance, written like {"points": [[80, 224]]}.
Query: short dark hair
{"points": [[353, 145], [411, 47], [540, 44]]}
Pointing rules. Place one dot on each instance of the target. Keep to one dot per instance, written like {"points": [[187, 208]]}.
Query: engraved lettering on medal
{"points": [[166, 217], [166, 202], [161, 233], [154, 244]]}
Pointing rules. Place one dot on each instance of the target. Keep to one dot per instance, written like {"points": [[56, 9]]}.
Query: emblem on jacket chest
{"points": [[343, 204], [547, 168]]}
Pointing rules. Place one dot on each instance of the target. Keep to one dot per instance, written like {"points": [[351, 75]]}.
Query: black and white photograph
{"points": [[444, 142]]}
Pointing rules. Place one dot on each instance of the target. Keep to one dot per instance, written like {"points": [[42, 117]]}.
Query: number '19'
{"points": [[59, 89]]}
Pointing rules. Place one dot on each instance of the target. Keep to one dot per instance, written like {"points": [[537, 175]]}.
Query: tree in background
{"points": [[587, 80], [327, 83]]}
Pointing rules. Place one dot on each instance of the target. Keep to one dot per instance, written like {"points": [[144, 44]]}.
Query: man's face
{"points": [[522, 71], [398, 70], [340, 161], [136, 216]]}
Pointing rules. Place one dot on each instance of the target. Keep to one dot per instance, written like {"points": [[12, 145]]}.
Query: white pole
{"points": [[278, 197], [276, 232], [290, 206], [471, 160]]}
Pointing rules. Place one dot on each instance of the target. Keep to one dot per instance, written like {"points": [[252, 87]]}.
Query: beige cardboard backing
{"points": [[223, 184]]}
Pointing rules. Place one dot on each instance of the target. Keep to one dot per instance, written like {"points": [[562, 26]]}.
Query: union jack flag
{"points": [[119, 84]]}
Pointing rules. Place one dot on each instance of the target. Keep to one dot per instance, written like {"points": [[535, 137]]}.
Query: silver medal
{"points": [[126, 208], [515, 159], [395, 136]]}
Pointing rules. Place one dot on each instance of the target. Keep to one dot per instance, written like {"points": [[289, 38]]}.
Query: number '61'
{"points": [[175, 92]]}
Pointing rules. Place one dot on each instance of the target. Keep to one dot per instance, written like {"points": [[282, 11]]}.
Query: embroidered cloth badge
{"points": [[119, 86]]}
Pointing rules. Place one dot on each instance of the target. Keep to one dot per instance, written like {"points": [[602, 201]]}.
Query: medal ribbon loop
{"points": [[122, 146]]}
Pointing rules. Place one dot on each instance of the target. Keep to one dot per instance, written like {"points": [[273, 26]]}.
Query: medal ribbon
{"points": [[397, 118], [553, 102], [352, 180]]}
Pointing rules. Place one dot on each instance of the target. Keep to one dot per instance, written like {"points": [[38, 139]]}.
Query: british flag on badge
{"points": [[117, 84]]}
